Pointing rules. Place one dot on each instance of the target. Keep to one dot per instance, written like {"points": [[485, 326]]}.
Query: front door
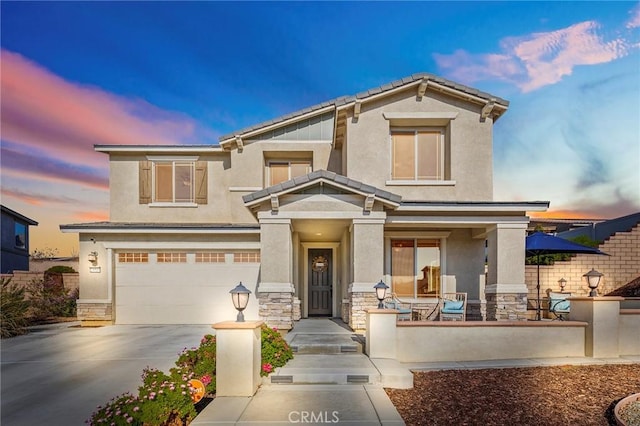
{"points": [[320, 286]]}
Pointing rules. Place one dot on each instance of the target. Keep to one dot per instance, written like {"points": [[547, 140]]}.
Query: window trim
{"points": [[192, 164], [25, 235], [283, 161], [411, 182]]}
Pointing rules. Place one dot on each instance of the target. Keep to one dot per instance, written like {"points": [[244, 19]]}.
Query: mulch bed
{"points": [[565, 395]]}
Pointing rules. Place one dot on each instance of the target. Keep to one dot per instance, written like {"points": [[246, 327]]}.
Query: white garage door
{"points": [[182, 287]]}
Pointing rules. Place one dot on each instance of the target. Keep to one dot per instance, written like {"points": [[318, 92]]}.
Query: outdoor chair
{"points": [[453, 307], [559, 306], [394, 303]]}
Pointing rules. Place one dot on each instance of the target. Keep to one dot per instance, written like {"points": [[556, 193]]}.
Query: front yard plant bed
{"points": [[540, 396], [165, 400]]}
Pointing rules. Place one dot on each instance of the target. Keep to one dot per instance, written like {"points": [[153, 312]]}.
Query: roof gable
{"points": [[340, 182], [421, 80]]}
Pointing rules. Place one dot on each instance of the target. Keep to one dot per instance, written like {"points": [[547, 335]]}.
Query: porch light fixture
{"points": [[93, 258], [381, 292], [562, 282], [240, 298], [593, 278]]}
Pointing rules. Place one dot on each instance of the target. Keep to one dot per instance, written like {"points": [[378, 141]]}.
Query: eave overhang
{"points": [[160, 149], [159, 228]]}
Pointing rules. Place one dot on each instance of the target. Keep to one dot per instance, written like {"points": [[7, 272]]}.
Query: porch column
{"points": [[275, 292], [367, 255], [506, 290]]}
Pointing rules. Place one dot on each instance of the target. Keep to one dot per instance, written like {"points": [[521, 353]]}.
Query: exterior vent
{"points": [[281, 379], [355, 378]]}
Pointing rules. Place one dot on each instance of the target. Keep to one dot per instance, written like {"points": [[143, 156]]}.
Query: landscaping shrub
{"points": [[275, 350], [199, 363], [166, 400], [13, 309], [49, 298], [60, 269]]}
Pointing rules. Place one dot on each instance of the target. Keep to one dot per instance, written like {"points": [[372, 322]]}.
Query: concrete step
{"points": [[339, 369], [325, 344]]}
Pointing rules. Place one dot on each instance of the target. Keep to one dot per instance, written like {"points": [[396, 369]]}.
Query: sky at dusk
{"points": [[76, 74]]}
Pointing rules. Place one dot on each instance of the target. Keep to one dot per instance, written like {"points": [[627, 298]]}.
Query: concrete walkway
{"points": [[328, 381]]}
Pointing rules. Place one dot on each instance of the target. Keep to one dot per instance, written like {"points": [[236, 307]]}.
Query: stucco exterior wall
{"points": [[629, 329], [469, 139], [465, 262], [485, 341]]}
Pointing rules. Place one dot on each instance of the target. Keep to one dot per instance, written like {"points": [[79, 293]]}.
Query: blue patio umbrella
{"points": [[540, 243]]}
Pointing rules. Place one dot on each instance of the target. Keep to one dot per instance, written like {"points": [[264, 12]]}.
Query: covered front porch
{"points": [[326, 242]]}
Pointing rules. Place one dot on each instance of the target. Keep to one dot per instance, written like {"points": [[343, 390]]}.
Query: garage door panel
{"points": [[181, 293]]}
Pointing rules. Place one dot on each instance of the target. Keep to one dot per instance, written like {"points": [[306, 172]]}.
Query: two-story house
{"points": [[313, 208]]}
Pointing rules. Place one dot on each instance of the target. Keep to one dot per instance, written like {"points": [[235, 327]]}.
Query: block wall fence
{"points": [[620, 267]]}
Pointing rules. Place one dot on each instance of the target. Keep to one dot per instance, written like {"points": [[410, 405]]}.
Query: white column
{"points": [[238, 357]]}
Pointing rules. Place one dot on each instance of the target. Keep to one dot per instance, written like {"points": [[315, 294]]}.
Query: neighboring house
{"points": [[15, 241], [392, 184]]}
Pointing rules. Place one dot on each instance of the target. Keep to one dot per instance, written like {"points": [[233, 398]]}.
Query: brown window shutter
{"points": [[201, 182], [145, 182]]}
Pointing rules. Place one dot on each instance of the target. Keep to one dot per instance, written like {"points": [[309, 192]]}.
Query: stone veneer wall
{"points": [[344, 311], [359, 303], [89, 311], [506, 306], [476, 310], [620, 267], [297, 313], [276, 309]]}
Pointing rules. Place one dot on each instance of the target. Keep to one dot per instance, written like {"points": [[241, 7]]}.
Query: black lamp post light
{"points": [[381, 292], [240, 298], [593, 278]]}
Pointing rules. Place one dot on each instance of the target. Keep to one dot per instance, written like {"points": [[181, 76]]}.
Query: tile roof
{"points": [[324, 175], [343, 100]]}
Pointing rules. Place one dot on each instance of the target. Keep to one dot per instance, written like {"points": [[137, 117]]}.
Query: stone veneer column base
{"points": [[506, 306], [276, 309], [94, 312], [476, 310], [360, 302]]}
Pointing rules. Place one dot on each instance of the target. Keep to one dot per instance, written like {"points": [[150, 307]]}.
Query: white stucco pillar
{"points": [[602, 314], [275, 291], [367, 250], [505, 289], [238, 357], [381, 333]]}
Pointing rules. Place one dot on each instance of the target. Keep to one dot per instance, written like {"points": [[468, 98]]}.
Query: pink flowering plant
{"points": [[199, 363], [275, 350], [122, 410]]}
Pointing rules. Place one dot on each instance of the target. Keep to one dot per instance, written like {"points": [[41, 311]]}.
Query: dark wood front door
{"points": [[320, 285]]}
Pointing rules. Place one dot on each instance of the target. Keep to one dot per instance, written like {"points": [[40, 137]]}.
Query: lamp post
{"points": [[381, 292], [562, 282], [240, 298], [593, 278]]}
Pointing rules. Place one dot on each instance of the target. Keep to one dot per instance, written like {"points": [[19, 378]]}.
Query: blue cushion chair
{"points": [[453, 307], [395, 303], [559, 306]]}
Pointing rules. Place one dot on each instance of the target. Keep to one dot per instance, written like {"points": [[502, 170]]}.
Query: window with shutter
{"points": [[173, 181]]}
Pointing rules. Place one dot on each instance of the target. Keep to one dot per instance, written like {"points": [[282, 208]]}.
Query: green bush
{"points": [[275, 350], [49, 298], [199, 363], [60, 269], [165, 399], [13, 309]]}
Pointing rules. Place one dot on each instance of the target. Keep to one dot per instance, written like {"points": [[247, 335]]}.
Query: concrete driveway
{"points": [[58, 375]]}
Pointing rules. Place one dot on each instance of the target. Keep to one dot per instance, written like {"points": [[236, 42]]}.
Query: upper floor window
{"points": [[417, 154], [281, 171], [173, 181]]}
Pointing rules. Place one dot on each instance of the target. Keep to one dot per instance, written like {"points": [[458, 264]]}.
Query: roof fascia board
{"points": [[181, 245], [456, 220], [323, 181], [379, 95], [534, 206], [20, 216], [226, 144], [157, 148], [138, 230]]}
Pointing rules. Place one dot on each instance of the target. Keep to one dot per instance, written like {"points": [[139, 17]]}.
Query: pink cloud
{"points": [[536, 60], [634, 21], [92, 216], [55, 117], [35, 199]]}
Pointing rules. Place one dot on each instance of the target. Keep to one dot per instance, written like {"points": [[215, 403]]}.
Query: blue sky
{"points": [[75, 74]]}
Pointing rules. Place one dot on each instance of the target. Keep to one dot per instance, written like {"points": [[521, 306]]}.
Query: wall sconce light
{"points": [[593, 278], [562, 282], [240, 298], [93, 258], [381, 292]]}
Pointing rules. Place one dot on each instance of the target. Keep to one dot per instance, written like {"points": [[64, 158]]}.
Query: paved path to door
{"points": [[58, 375]]}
